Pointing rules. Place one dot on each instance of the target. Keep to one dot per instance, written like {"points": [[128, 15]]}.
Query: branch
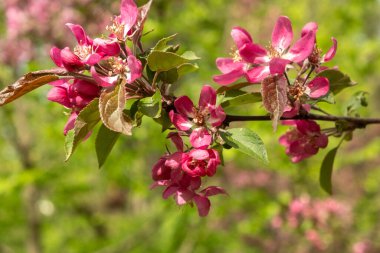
{"points": [[358, 122]]}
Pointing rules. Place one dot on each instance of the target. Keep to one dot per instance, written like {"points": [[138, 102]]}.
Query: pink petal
{"points": [[256, 75], [203, 205], [135, 68], [70, 61], [226, 65], [79, 34], [180, 122], [250, 51], [85, 88], [106, 47], [183, 196], [217, 116], [319, 87], [322, 141], [229, 77], [331, 53], [177, 140], [55, 54], [174, 160], [213, 190], [129, 13], [199, 154], [207, 97], [70, 122], [169, 191], [311, 26], [240, 36], [282, 34], [302, 48], [184, 106], [200, 138], [93, 59], [59, 95], [104, 81], [278, 65]]}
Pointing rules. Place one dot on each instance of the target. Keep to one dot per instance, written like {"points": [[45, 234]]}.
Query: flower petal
{"points": [[177, 140], [135, 68], [319, 87], [199, 154], [79, 34], [59, 95], [207, 97], [179, 121], [282, 34], [250, 51], [311, 26], [203, 205], [240, 36], [213, 190], [217, 116], [128, 13], [278, 65], [229, 77], [55, 54], [302, 48], [184, 106], [200, 138], [70, 122], [331, 53], [256, 75], [169, 191], [104, 81], [226, 65]]}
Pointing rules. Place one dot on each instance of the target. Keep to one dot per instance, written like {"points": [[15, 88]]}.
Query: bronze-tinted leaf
{"points": [[29, 82], [111, 107], [273, 91]]}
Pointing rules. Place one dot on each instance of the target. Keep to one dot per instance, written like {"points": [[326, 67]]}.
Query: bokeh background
{"points": [[48, 205]]}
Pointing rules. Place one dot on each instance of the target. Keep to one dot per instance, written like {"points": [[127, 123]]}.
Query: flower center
{"points": [[118, 66], [82, 51], [116, 28], [272, 52], [296, 90], [197, 163], [314, 58], [235, 55], [200, 116]]}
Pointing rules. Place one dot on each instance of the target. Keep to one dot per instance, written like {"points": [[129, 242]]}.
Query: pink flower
{"points": [[87, 52], [200, 162], [243, 58], [184, 184], [130, 69], [304, 140], [207, 115], [122, 25], [279, 53], [73, 96]]}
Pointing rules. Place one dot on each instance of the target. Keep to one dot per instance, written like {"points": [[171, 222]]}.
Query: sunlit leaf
{"points": [[338, 80], [237, 97], [151, 106], [164, 61]]}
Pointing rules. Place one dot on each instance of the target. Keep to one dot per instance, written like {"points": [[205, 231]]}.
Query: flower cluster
{"points": [[282, 96], [182, 171], [108, 60]]}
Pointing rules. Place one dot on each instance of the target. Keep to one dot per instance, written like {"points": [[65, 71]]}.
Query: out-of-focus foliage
{"points": [[84, 209]]}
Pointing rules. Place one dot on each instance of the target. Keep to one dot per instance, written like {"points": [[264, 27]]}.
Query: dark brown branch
{"points": [[358, 122]]}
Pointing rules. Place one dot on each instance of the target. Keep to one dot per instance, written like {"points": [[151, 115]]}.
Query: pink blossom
{"points": [[207, 115], [200, 162], [304, 140], [73, 96], [122, 25], [243, 58], [87, 52], [280, 53]]}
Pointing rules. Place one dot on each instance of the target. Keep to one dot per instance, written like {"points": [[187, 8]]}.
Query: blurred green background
{"points": [[48, 205]]}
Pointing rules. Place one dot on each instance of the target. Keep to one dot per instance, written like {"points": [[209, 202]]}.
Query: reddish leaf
{"points": [[111, 106], [29, 82], [273, 90]]}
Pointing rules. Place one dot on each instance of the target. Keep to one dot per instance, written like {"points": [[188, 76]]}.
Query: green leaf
{"points": [[162, 45], [338, 80], [170, 76], [328, 98], [111, 108], [236, 86], [326, 171], [164, 121], [246, 141], [186, 68], [164, 61], [358, 100], [85, 122], [190, 55], [151, 106], [105, 140], [238, 97]]}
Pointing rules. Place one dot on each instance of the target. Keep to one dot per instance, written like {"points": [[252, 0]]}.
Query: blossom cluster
{"points": [[269, 66]]}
